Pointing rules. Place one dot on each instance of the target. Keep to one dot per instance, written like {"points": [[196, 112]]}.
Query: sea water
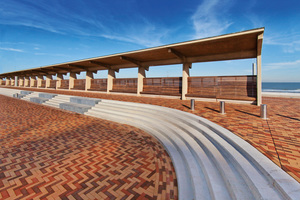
{"points": [[290, 87]]}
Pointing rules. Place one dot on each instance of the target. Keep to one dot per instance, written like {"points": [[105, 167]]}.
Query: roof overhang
{"points": [[240, 45]]}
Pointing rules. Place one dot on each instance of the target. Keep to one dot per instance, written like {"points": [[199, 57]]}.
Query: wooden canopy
{"points": [[240, 45]]}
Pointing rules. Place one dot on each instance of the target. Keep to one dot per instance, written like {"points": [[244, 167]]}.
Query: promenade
{"points": [[48, 153]]}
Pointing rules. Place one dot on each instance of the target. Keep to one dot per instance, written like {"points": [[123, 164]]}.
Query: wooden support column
{"points": [[48, 78], [185, 75], [88, 79], [258, 70], [141, 76], [1, 81], [58, 82], [7, 81], [26, 81], [39, 81], [21, 81], [32, 79], [110, 79], [71, 80]]}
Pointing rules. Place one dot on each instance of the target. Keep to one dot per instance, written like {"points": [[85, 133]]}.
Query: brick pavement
{"points": [[278, 138], [47, 153]]}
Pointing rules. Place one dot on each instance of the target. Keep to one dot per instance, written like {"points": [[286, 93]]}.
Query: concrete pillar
{"points": [[258, 70], [58, 82], [26, 81], [48, 78], [185, 75], [141, 76], [71, 80], [39, 81], [110, 79], [88, 79]]}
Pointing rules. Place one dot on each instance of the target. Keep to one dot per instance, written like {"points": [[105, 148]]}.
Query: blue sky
{"points": [[45, 32]]}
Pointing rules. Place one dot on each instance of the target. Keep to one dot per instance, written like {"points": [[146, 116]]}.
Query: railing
{"points": [[223, 87], [79, 84], [128, 85], [52, 84], [164, 86], [64, 84], [98, 85]]}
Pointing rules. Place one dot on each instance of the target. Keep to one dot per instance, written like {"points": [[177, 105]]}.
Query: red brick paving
{"points": [[278, 138], [48, 153]]}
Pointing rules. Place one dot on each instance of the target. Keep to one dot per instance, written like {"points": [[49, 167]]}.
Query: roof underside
{"points": [[241, 45]]}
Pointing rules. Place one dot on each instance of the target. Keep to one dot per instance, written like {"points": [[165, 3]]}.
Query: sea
{"points": [[284, 87]]}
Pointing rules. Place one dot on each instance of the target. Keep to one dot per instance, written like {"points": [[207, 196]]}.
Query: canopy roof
{"points": [[240, 45]]}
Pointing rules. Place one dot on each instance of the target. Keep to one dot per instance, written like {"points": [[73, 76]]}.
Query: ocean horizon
{"points": [[282, 87]]}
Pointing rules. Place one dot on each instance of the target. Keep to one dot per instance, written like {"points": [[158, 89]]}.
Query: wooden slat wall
{"points": [[79, 84], [3, 83], [43, 84], [35, 83], [52, 84], [223, 87], [163, 86], [128, 85], [64, 84], [98, 85]]}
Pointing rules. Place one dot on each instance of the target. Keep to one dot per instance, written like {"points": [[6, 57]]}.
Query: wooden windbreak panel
{"points": [[64, 84], [203, 86], [164, 86], [223, 87], [35, 83], [98, 85], [79, 84], [43, 83], [3, 83], [125, 85], [52, 84]]}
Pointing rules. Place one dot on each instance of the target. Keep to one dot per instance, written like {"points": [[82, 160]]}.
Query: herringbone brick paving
{"points": [[48, 153], [278, 138]]}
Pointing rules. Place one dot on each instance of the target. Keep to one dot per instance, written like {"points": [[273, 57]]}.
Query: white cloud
{"points": [[210, 18], [289, 43], [11, 49], [282, 65], [83, 18]]}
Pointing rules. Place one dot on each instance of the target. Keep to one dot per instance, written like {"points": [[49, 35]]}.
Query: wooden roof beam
{"points": [[178, 54], [101, 64], [77, 66], [134, 61]]}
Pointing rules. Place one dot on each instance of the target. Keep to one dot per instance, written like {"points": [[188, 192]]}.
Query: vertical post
{"points": [[258, 71], [88, 79], [110, 79], [222, 107], [71, 80], [39, 81], [141, 76], [253, 69], [7, 81], [263, 111], [48, 79], [185, 75], [58, 82], [192, 104], [1, 81]]}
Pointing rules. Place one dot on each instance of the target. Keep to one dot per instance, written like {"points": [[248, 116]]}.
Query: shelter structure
{"points": [[240, 45]]}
